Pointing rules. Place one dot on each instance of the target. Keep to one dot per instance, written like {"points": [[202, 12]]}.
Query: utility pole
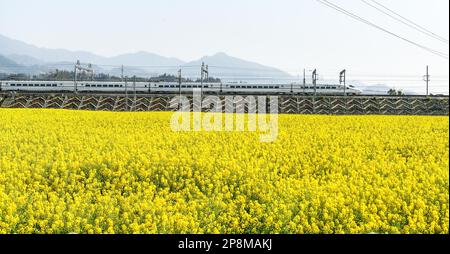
{"points": [[304, 80], [179, 89], [75, 79], [121, 75], [179, 81], [201, 85], [314, 80], [201, 74], [426, 78], [134, 90], [126, 94], [92, 71], [204, 72], [342, 80], [81, 68], [121, 78]]}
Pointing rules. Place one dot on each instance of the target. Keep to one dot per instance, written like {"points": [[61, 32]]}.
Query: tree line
{"points": [[65, 75]]}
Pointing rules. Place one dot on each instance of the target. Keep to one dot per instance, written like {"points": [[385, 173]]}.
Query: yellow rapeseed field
{"points": [[115, 172]]}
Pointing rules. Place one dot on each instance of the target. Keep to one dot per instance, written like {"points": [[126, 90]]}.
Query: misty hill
{"points": [[8, 65], [28, 54], [226, 67], [139, 63], [143, 58], [25, 60], [14, 47]]}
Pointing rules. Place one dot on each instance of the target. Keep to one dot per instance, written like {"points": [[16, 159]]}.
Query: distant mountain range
{"points": [[18, 56]]}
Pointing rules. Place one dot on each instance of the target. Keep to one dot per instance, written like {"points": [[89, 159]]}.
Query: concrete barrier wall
{"points": [[389, 105]]}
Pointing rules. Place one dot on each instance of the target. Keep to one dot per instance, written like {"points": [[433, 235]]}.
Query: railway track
{"points": [[130, 94], [295, 104]]}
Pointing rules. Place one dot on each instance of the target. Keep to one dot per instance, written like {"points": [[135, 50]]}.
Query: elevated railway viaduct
{"points": [[333, 105]]}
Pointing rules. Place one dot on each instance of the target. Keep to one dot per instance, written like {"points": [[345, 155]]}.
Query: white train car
{"points": [[36, 86], [236, 88], [111, 87], [173, 87]]}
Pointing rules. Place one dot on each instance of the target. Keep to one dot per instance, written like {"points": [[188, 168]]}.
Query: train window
{"points": [[53, 85], [19, 84], [88, 85], [260, 87], [334, 87], [121, 85], [327, 87], [322, 87], [255, 87], [42, 84], [161, 86], [145, 85], [172, 86], [48, 85], [183, 86], [110, 85], [277, 87], [118, 86], [12, 84], [105, 85], [271, 87], [206, 86]]}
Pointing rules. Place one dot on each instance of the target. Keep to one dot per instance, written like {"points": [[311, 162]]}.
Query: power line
{"points": [[405, 23], [356, 17], [411, 23]]}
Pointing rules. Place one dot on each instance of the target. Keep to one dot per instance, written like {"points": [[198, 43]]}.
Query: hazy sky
{"points": [[288, 34]]}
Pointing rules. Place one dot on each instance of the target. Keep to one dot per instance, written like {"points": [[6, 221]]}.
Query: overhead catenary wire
{"points": [[365, 21], [417, 26]]}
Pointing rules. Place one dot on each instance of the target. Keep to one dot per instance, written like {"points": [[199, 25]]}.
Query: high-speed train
{"points": [[174, 87]]}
